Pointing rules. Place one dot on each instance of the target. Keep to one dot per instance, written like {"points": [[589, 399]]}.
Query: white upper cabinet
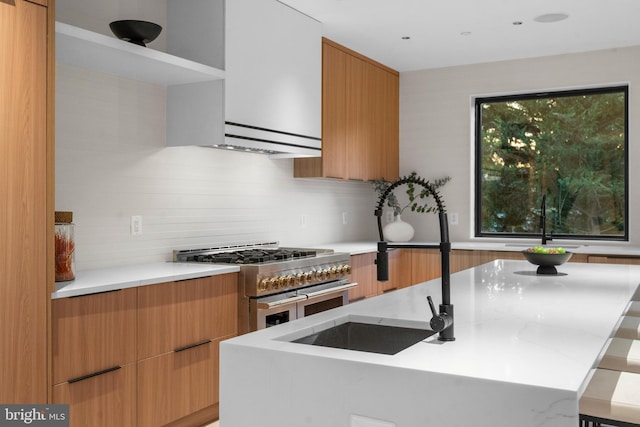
{"points": [[273, 64]]}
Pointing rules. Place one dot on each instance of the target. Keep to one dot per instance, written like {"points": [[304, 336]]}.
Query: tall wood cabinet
{"points": [[26, 191], [360, 119]]}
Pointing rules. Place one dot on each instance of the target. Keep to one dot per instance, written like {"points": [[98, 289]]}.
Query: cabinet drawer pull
{"points": [[95, 293], [187, 347], [95, 374]]}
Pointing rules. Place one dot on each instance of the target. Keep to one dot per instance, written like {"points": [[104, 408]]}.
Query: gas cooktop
{"points": [[246, 254]]}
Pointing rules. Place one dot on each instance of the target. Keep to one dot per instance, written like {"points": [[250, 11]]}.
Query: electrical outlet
{"points": [[344, 218], [303, 221], [453, 219], [136, 225]]}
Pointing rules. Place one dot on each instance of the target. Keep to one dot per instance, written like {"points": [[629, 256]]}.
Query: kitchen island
{"points": [[525, 346]]}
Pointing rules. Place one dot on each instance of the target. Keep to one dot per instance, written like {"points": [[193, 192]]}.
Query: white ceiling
{"points": [[375, 28]]}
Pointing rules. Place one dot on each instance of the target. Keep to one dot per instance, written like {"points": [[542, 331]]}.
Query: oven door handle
{"points": [[335, 289], [268, 305]]}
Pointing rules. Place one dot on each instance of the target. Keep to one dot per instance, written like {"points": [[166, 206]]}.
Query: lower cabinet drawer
{"points": [[103, 400], [174, 385]]}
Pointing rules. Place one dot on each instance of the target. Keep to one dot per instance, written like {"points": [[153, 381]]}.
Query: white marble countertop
{"points": [[109, 279], [613, 249], [517, 333]]}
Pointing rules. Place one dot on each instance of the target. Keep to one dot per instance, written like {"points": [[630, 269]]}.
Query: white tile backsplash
{"points": [[112, 163]]}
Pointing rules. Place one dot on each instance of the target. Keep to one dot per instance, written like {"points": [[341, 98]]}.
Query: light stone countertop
{"points": [[525, 346], [109, 279], [612, 249]]}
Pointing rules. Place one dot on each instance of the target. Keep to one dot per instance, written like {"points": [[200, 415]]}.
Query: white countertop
{"points": [[109, 279], [524, 336], [613, 249]]}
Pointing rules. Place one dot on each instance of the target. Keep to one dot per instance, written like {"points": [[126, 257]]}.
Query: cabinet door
{"points": [[177, 384], [91, 333], [363, 271], [360, 119], [24, 224], [425, 265], [105, 400], [334, 113], [399, 271], [610, 259], [177, 314]]}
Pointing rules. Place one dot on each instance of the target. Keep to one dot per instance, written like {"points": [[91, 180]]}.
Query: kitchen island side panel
{"points": [[320, 392]]}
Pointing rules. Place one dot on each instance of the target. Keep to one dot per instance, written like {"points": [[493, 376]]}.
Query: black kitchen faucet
{"points": [[441, 322], [543, 220]]}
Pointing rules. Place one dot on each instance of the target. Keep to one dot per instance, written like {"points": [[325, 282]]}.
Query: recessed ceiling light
{"points": [[405, 38], [465, 33], [517, 22], [551, 17]]}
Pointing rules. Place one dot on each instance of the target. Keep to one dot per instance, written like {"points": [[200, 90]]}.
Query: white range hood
{"points": [[276, 144]]}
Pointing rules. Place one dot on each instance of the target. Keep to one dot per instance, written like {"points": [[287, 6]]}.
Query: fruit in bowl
{"points": [[547, 258]]}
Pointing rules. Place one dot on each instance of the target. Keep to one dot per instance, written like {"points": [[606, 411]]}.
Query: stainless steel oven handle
{"points": [[335, 289], [268, 305]]}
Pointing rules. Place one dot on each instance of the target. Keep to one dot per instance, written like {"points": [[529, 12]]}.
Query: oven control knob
{"points": [[346, 269], [300, 278], [290, 280], [264, 284], [280, 282], [334, 271], [326, 273], [318, 274]]}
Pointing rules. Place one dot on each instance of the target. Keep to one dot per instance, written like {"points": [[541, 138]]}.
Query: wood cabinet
{"points": [[400, 271], [180, 326], [93, 346], [26, 185], [612, 259], [177, 314], [144, 356], [108, 399], [176, 384], [360, 119], [364, 271], [92, 333]]}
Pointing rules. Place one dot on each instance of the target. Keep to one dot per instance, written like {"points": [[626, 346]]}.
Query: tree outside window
{"points": [[571, 146]]}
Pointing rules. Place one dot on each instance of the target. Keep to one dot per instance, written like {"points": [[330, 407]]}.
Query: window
{"points": [[571, 146]]}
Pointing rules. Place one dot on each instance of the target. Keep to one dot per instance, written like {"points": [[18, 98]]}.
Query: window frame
{"points": [[478, 101]]}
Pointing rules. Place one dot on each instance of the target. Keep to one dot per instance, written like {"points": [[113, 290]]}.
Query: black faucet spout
{"points": [[543, 220]]}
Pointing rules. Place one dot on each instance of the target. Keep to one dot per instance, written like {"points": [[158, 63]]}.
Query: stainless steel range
{"points": [[278, 285]]}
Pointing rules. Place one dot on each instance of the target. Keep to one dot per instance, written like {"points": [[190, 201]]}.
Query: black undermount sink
{"points": [[373, 338]]}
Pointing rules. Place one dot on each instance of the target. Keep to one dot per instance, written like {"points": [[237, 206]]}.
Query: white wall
{"points": [[112, 163], [436, 120]]}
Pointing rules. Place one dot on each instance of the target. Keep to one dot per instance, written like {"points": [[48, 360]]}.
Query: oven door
{"points": [[276, 309], [324, 297]]}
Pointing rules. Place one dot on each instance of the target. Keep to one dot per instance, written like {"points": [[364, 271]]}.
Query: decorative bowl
{"points": [[547, 262], [137, 32]]}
